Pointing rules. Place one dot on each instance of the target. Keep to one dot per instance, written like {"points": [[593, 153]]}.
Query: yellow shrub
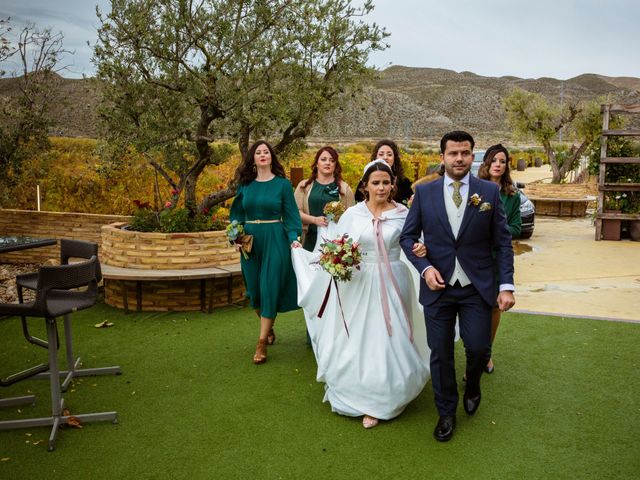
{"points": [[71, 179]]}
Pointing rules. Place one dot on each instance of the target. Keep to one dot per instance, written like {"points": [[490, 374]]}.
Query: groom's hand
{"points": [[506, 300], [434, 279]]}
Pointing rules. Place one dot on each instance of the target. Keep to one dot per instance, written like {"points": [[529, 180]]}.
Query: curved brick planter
{"points": [[168, 251], [165, 251]]}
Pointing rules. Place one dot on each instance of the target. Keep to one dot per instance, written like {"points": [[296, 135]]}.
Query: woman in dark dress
{"points": [[325, 185], [265, 206], [388, 151], [495, 168]]}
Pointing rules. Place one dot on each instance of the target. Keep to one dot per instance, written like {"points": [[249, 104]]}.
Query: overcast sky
{"points": [[523, 38]]}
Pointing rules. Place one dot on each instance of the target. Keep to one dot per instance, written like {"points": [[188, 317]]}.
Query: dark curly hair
{"points": [[378, 167], [506, 183], [337, 174], [396, 168], [246, 171]]}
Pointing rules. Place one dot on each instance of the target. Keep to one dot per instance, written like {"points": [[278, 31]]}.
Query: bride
{"points": [[382, 363]]}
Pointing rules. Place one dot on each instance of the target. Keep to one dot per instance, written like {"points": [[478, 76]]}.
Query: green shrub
{"points": [[145, 220]]}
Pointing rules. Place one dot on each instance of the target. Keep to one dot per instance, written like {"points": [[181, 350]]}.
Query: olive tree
{"points": [[180, 75], [530, 115], [32, 58]]}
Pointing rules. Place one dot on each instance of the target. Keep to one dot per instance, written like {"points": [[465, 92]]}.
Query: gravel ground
{"points": [[8, 272]]}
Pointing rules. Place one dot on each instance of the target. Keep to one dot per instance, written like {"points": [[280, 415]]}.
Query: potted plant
{"points": [[633, 207], [614, 202]]}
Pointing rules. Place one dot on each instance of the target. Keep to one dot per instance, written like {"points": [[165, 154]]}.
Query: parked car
{"points": [[527, 209]]}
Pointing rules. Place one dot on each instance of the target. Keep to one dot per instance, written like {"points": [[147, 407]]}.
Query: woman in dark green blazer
{"points": [[495, 167]]}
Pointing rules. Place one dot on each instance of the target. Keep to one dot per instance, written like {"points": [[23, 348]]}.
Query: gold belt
{"points": [[263, 221]]}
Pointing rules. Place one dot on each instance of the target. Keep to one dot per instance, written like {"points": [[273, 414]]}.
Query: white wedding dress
{"points": [[376, 369]]}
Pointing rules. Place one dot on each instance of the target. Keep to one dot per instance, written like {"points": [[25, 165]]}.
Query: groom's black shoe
{"points": [[445, 427], [471, 402]]}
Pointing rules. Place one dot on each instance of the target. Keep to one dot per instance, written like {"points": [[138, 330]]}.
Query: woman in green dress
{"points": [[323, 186], [264, 204], [495, 167]]}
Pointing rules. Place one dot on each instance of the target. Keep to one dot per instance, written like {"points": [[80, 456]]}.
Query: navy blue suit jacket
{"points": [[481, 233]]}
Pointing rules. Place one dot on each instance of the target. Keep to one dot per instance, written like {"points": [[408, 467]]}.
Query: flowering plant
{"points": [[475, 200], [339, 257], [616, 201], [333, 211], [235, 234]]}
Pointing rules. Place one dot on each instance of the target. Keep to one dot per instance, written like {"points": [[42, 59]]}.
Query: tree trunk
{"points": [[553, 161], [215, 198]]}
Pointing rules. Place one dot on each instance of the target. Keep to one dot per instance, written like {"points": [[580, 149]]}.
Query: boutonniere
{"points": [[485, 206], [475, 200]]}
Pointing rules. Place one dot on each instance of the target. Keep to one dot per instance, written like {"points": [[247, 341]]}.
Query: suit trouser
{"points": [[474, 316]]}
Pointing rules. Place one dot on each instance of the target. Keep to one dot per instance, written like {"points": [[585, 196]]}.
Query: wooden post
{"points": [[296, 174], [603, 170]]}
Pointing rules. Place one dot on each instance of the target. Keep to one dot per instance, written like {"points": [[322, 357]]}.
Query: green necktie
{"points": [[457, 198]]}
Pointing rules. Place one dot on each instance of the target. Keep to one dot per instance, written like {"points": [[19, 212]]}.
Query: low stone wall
{"points": [[77, 226], [165, 251]]}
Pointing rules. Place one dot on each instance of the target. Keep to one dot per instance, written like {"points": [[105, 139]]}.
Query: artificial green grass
{"points": [[564, 402]]}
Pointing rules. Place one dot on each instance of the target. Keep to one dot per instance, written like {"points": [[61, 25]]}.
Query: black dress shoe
{"points": [[445, 427], [489, 369], [471, 402]]}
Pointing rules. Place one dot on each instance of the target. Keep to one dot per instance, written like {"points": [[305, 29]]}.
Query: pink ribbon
{"points": [[326, 299], [381, 252]]}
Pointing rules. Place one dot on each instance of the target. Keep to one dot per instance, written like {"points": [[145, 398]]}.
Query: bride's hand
{"points": [[419, 249]]}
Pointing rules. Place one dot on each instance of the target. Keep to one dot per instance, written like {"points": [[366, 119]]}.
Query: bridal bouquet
{"points": [[235, 234], [340, 256], [333, 211]]}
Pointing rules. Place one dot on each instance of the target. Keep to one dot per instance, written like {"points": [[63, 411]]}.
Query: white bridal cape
{"points": [[377, 369]]}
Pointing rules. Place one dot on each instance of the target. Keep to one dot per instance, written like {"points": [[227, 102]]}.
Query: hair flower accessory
{"points": [[475, 200]]}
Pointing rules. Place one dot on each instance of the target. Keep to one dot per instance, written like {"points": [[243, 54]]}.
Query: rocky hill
{"points": [[404, 103]]}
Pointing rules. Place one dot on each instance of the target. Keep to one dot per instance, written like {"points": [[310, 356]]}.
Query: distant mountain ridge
{"points": [[425, 102], [403, 103]]}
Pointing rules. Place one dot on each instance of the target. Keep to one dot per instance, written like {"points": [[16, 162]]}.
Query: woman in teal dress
{"points": [[323, 186], [495, 167], [264, 204]]}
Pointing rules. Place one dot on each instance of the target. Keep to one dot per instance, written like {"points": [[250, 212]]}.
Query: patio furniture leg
{"points": [[212, 282], [56, 395], [73, 363], [203, 295], [14, 401], [125, 300], [138, 295], [57, 402]]}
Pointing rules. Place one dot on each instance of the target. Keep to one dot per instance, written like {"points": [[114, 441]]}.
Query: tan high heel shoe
{"points": [[261, 352], [271, 337]]}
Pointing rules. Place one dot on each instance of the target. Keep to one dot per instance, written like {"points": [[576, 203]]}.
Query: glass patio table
{"points": [[11, 243]]}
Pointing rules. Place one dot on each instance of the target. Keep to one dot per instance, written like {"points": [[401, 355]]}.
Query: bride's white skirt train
{"points": [[366, 371]]}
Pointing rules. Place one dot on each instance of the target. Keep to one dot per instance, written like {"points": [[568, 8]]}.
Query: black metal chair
{"points": [[55, 297], [69, 249]]}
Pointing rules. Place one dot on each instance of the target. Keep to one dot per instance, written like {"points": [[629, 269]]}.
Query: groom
{"points": [[464, 228]]}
